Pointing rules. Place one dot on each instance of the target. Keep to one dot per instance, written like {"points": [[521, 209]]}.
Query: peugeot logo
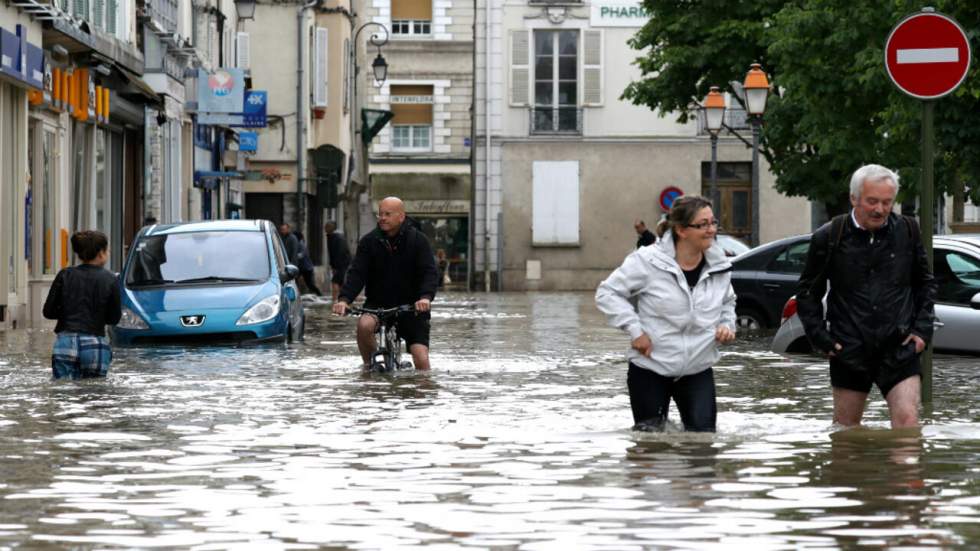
{"points": [[191, 321]]}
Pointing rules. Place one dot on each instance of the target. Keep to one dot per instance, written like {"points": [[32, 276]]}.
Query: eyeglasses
{"points": [[703, 225]]}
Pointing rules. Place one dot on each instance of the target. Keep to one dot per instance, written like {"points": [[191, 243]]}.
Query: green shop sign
{"points": [[618, 13]]}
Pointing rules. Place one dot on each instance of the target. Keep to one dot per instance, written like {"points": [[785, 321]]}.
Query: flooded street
{"points": [[518, 439]]}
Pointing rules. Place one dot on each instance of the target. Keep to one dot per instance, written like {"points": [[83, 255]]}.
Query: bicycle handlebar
{"points": [[381, 313]]}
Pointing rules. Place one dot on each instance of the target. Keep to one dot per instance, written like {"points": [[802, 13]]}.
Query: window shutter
{"points": [[241, 50], [98, 14], [520, 67], [320, 69], [112, 16], [80, 9], [592, 68]]}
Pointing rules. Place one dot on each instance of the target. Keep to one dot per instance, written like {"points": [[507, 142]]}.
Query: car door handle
{"points": [[771, 285], [938, 324]]}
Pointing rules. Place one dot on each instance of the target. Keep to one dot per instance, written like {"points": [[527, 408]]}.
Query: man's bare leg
{"points": [[366, 327], [334, 290], [848, 406], [420, 356], [903, 403]]}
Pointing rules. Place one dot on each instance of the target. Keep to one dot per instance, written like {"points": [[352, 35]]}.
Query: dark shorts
{"points": [[337, 276], [413, 329], [884, 371], [78, 356]]}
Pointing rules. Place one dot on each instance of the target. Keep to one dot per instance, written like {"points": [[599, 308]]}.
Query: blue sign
{"points": [[256, 102], [248, 141], [20, 59]]}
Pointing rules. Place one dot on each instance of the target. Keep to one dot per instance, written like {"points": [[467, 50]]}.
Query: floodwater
{"points": [[518, 439]]}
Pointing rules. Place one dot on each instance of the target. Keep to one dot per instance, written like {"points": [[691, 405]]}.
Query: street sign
{"points": [[927, 55], [668, 195], [248, 141]]}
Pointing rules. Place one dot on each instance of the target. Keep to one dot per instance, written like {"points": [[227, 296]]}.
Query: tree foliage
{"points": [[833, 107]]}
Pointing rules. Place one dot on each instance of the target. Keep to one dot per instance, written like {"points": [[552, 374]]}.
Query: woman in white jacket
{"points": [[685, 307]]}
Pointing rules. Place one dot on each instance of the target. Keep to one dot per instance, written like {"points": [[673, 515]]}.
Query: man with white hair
{"points": [[880, 306]]}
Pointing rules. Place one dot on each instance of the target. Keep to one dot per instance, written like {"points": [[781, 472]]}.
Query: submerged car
{"points": [[956, 266], [764, 277], [732, 245], [209, 282]]}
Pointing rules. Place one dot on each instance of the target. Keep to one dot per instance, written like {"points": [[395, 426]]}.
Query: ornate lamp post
{"points": [[756, 91], [245, 9], [714, 117]]}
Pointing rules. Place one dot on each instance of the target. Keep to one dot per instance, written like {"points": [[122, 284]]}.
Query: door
{"points": [[264, 206]]}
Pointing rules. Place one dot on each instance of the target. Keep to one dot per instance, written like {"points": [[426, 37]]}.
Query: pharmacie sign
{"points": [[618, 13]]}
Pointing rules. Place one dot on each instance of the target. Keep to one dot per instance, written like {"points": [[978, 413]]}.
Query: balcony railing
{"points": [[736, 119], [556, 120]]}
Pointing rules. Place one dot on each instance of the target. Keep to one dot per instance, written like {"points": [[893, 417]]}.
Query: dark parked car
{"points": [[765, 277]]}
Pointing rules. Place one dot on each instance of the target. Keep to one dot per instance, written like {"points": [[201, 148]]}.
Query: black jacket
{"points": [[84, 299], [646, 238], [881, 289], [338, 251], [392, 272]]}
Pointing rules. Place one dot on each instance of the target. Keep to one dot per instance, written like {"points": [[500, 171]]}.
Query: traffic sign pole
{"points": [[926, 227], [927, 56]]}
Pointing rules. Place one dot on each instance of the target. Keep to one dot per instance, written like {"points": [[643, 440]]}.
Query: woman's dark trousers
{"points": [[650, 395]]}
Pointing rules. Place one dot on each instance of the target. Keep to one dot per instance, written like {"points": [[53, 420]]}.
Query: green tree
{"points": [[833, 107]]}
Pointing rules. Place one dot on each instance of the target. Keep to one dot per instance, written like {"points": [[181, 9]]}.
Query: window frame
{"points": [[556, 81], [411, 148], [410, 25]]}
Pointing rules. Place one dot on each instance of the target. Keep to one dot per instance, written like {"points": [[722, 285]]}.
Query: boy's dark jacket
{"points": [[392, 272], [880, 291], [84, 299]]}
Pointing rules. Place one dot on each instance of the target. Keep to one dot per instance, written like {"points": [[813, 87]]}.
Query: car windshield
{"points": [[200, 257]]}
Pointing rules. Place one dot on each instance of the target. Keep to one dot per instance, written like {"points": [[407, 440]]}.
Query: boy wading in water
{"points": [[84, 299]]}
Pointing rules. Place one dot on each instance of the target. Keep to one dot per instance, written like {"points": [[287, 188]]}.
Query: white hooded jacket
{"points": [[681, 323]]}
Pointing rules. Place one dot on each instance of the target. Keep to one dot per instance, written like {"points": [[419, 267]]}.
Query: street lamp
{"points": [[380, 68], [714, 117], [756, 91], [245, 9]]}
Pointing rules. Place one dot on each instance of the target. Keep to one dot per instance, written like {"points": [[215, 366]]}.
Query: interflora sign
{"points": [[927, 55], [618, 13]]}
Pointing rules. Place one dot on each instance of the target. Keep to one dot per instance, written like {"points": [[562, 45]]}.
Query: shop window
{"points": [[411, 18], [412, 121], [735, 196]]}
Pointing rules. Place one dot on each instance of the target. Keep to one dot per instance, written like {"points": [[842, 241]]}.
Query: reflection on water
{"points": [[518, 439]]}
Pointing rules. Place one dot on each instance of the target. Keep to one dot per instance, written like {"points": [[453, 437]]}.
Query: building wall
{"points": [[627, 154]]}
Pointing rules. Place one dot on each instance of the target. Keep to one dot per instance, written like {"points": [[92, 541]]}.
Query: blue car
{"points": [[224, 281]]}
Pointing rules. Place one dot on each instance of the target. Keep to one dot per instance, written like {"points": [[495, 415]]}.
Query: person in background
{"points": [[339, 254], [685, 308], [291, 243], [84, 299], [646, 237], [306, 265]]}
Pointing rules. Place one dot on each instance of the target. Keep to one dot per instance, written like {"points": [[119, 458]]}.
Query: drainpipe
{"points": [[301, 109], [486, 174]]}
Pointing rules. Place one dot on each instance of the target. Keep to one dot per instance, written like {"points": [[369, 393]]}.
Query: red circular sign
{"points": [[668, 195], [927, 55]]}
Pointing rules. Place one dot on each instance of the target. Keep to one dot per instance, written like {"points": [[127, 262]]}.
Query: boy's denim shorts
{"points": [[77, 355]]}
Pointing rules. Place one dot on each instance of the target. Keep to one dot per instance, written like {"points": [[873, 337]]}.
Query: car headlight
{"points": [[264, 310], [131, 320]]}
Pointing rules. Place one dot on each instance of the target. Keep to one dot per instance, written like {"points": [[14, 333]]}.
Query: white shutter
{"points": [[520, 67], [346, 75], [555, 203], [112, 16], [241, 50], [592, 68], [320, 69]]}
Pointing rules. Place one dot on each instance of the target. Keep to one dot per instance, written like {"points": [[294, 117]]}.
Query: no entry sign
{"points": [[927, 55]]}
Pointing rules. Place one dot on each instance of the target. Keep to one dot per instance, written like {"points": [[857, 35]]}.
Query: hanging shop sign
{"points": [[222, 91], [20, 59], [251, 114], [248, 141]]}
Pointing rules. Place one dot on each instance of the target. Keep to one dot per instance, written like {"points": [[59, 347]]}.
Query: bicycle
{"points": [[388, 344]]}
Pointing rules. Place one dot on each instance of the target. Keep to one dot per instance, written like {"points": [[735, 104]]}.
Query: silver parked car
{"points": [[956, 263]]}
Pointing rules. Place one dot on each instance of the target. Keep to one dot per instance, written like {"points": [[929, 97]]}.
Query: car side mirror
{"points": [[290, 272], [975, 302]]}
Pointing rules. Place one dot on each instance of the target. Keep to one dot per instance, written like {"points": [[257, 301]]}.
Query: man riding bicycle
{"points": [[394, 265]]}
